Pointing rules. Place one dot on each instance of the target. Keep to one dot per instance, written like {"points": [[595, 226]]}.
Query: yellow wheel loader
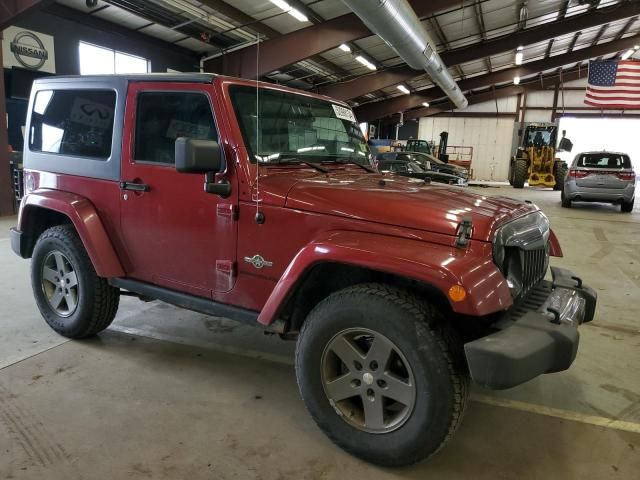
{"points": [[535, 161]]}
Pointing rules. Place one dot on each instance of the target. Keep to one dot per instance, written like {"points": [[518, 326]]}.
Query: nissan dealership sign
{"points": [[28, 49]]}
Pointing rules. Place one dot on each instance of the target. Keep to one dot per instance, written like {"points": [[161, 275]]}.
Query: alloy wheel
{"points": [[60, 283], [367, 380]]}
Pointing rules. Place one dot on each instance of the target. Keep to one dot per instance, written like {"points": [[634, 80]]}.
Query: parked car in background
{"points": [[427, 162], [600, 177], [414, 170]]}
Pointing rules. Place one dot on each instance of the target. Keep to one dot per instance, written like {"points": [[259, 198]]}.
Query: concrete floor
{"points": [[166, 393]]}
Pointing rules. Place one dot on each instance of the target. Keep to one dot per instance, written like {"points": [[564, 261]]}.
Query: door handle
{"points": [[136, 187]]}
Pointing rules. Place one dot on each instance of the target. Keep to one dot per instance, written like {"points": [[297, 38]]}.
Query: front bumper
{"points": [[537, 335]]}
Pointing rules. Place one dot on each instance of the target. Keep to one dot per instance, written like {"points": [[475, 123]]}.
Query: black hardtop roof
{"points": [[194, 77]]}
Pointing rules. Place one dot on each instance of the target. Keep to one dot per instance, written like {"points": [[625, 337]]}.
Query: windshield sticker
{"points": [[180, 128], [343, 113]]}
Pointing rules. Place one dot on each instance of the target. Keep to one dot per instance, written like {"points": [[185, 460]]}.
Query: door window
{"points": [[162, 117]]}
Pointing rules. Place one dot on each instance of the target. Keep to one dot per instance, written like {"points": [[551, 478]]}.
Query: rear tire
{"points": [[560, 172], [72, 299], [423, 365], [520, 172], [566, 203], [627, 207]]}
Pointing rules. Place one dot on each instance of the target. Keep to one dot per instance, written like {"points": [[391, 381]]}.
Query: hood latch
{"points": [[463, 233]]}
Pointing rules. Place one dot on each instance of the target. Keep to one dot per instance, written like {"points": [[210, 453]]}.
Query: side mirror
{"points": [[198, 156], [565, 145]]}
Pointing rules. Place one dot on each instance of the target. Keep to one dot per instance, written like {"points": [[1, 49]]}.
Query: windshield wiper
{"points": [[297, 161], [351, 162]]}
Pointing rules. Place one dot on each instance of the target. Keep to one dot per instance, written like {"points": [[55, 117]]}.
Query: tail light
{"points": [[627, 176], [578, 173]]}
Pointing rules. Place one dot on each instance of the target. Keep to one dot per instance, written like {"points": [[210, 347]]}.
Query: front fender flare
{"points": [[86, 221], [436, 265]]}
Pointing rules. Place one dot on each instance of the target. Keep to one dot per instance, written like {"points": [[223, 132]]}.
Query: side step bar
{"points": [[184, 300]]}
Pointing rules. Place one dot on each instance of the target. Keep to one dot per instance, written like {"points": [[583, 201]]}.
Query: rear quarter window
{"points": [[73, 122]]}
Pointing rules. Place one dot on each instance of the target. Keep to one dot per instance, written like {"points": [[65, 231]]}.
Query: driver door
{"points": [[173, 232]]}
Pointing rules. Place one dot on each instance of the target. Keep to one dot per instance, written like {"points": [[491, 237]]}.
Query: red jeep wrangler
{"points": [[397, 290]]}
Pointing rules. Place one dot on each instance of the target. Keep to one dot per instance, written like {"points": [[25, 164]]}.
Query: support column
{"points": [[6, 192]]}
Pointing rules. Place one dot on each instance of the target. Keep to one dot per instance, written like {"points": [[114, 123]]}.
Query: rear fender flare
{"points": [[86, 221], [438, 266]]}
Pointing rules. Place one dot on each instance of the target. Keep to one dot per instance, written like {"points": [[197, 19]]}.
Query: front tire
{"points": [[72, 299], [520, 172], [381, 374], [560, 173]]}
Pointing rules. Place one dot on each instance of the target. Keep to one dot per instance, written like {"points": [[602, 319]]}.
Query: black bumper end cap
{"points": [[17, 242], [530, 347]]}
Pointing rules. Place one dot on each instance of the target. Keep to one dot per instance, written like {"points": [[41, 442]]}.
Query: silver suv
{"points": [[600, 177]]}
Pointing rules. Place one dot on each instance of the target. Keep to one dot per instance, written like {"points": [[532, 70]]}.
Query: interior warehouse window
{"points": [[73, 122], [96, 60]]}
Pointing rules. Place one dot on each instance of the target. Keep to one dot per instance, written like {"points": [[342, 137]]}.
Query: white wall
{"points": [[490, 138]]}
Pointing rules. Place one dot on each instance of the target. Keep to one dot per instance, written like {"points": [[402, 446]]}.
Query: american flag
{"points": [[613, 84]]}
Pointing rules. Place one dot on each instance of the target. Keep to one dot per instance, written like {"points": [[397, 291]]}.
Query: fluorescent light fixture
{"points": [[403, 89], [627, 54], [516, 80], [298, 15], [425, 104], [345, 48], [520, 48], [295, 13], [366, 62], [519, 57]]}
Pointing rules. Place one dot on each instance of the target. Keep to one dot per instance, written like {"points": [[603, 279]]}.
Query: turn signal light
{"points": [[457, 293]]}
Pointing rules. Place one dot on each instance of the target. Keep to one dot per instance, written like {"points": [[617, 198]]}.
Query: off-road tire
{"points": [[520, 172], [97, 301], [430, 347], [560, 172], [511, 173], [565, 202], [627, 207]]}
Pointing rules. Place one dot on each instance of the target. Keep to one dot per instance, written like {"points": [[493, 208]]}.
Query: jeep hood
{"points": [[403, 202]]}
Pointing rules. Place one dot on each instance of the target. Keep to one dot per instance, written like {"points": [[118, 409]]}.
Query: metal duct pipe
{"points": [[398, 25]]}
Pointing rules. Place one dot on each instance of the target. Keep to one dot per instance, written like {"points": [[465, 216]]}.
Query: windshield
{"points": [[425, 157], [294, 126], [540, 136], [401, 167]]}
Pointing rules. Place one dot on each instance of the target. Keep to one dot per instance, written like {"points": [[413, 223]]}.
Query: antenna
{"points": [[259, 214]]}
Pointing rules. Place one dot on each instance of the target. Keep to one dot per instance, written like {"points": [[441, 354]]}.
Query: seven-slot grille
{"points": [[534, 267]]}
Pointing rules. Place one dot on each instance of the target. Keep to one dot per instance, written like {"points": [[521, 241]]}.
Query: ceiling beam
{"points": [[306, 42], [12, 10], [240, 17], [497, 93], [358, 86], [247, 21], [375, 110]]}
